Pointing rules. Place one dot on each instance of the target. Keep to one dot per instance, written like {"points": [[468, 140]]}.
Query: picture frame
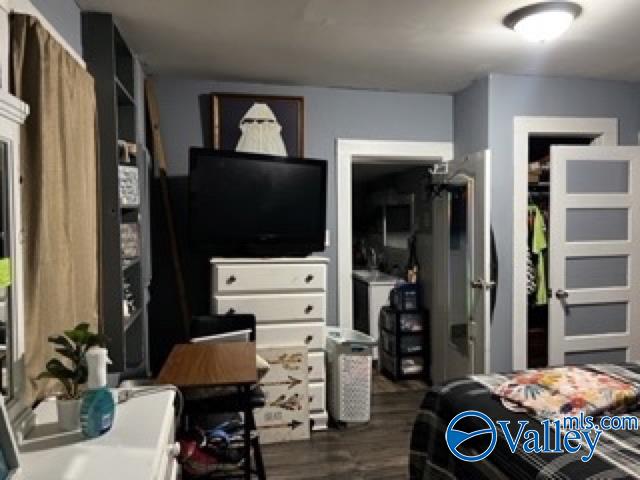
{"points": [[228, 109]]}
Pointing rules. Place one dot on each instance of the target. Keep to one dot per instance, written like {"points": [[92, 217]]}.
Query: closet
{"points": [[539, 202]]}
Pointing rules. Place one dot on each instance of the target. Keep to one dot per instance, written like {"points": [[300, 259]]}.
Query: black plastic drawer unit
{"points": [[402, 344], [393, 321]]}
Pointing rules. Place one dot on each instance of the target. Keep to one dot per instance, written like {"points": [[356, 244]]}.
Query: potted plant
{"points": [[73, 346]]}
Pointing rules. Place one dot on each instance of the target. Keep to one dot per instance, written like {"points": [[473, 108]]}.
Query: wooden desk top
{"points": [[210, 364]]}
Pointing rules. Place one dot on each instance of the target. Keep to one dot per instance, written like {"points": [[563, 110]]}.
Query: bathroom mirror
{"points": [[398, 219]]}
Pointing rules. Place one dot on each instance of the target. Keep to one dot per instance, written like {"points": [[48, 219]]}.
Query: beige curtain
{"points": [[59, 191]]}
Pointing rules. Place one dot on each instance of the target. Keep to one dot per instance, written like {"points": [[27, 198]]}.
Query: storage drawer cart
{"points": [[404, 352]]}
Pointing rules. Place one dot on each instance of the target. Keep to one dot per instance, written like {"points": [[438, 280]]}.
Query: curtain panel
{"points": [[59, 192]]}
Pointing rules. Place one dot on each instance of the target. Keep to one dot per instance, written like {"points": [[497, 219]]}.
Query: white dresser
{"points": [[288, 296], [140, 445]]}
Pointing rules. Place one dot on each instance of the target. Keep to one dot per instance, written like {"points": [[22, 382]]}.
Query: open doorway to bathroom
{"points": [[384, 227]]}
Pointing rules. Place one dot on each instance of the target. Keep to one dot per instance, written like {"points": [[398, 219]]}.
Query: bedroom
{"points": [[521, 246]]}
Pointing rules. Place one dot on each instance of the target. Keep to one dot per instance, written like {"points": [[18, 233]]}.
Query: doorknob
{"points": [[562, 294]]}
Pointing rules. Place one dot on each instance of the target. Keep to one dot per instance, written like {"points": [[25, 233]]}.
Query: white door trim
{"points": [[349, 151], [523, 127]]}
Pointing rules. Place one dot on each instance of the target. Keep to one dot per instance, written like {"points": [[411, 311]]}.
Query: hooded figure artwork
{"points": [[261, 132]]}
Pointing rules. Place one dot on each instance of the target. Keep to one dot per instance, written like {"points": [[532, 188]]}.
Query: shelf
{"points": [[128, 321], [118, 94], [539, 185], [124, 96], [127, 263], [135, 371]]}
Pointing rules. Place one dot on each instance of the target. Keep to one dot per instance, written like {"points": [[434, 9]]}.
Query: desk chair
{"points": [[230, 399]]}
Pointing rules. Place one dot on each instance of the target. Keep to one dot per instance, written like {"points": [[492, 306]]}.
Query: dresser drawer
{"points": [[310, 334], [234, 278], [315, 363], [273, 308], [317, 396]]}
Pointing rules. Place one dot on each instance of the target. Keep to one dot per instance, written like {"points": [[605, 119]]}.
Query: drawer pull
{"points": [[308, 309], [231, 279], [308, 340], [308, 278], [231, 311], [310, 369]]}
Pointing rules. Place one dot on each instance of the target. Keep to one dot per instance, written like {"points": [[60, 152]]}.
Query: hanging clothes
{"points": [[538, 236], [531, 274]]}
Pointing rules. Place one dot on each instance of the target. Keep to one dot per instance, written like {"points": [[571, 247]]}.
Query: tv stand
{"points": [[288, 296]]}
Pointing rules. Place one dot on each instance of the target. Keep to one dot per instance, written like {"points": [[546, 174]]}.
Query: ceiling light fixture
{"points": [[542, 22]]}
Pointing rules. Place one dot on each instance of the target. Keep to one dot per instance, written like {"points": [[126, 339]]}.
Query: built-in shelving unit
{"points": [[122, 162]]}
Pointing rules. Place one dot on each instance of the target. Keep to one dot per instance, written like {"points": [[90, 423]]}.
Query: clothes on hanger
{"points": [[538, 247], [531, 273]]}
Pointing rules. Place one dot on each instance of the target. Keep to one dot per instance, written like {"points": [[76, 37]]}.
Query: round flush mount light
{"points": [[542, 22]]}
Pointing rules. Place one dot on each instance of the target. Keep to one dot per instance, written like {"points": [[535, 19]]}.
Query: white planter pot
{"points": [[69, 414]]}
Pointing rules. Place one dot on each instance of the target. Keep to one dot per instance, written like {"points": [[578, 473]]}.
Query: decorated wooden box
{"points": [[285, 416]]}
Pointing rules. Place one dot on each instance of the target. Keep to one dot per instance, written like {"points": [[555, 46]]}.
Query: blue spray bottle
{"points": [[98, 408]]}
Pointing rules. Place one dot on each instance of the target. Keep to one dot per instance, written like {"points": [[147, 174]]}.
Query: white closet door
{"points": [[594, 261]]}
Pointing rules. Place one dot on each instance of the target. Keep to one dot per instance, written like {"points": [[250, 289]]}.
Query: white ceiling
{"points": [[409, 45]]}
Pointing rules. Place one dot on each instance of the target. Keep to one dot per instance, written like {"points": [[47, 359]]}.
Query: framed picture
{"points": [[258, 123]]}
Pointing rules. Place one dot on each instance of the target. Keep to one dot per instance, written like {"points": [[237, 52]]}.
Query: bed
{"points": [[617, 454]]}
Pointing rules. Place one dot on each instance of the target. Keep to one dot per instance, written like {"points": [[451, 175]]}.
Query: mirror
{"points": [[6, 311], [398, 215], [459, 266]]}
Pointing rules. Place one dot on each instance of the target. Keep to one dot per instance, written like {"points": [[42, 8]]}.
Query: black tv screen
{"points": [[243, 204]]}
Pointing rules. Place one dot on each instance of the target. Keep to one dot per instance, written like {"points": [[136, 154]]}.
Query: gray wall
{"points": [[64, 16], [329, 114], [471, 118], [510, 96]]}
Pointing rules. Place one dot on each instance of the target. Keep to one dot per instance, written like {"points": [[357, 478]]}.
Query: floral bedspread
{"points": [[568, 391]]}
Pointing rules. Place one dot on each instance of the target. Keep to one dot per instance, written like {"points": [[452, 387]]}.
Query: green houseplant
{"points": [[72, 346]]}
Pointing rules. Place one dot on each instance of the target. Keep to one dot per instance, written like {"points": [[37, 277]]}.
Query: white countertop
{"points": [[375, 277], [133, 449]]}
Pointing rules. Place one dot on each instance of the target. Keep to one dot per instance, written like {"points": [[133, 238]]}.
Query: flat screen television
{"points": [[252, 205]]}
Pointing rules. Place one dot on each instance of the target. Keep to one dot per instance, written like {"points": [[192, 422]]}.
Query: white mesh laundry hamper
{"points": [[349, 374]]}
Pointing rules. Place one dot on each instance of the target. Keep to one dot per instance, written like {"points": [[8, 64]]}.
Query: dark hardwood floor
{"points": [[378, 450]]}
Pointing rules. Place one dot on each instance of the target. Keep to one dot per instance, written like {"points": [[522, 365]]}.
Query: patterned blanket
{"points": [[568, 391], [617, 455]]}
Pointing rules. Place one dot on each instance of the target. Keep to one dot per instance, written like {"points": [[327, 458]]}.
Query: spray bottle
{"points": [[98, 408]]}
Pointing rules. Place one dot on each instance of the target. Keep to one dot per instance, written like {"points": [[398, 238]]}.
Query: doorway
{"points": [[533, 139], [348, 152], [391, 233]]}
